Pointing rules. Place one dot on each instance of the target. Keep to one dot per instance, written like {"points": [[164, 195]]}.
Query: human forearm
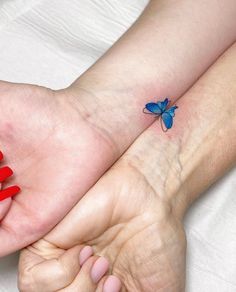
{"points": [[163, 53], [167, 41], [185, 161], [130, 214], [210, 141]]}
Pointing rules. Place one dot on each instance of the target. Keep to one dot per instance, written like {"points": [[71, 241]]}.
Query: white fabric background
{"points": [[51, 42]]}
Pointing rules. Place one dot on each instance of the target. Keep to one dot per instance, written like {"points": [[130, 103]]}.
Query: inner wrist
{"points": [[118, 112]]}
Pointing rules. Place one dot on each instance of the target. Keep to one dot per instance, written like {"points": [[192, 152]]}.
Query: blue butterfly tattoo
{"points": [[160, 109]]}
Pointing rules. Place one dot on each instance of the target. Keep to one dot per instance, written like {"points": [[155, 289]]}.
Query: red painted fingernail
{"points": [[1, 155], [9, 192], [5, 172]]}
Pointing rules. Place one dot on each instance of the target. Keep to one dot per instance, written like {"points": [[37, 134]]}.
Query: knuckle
{"points": [[25, 281], [65, 275]]}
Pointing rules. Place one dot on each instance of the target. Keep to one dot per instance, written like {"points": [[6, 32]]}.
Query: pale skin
{"points": [[133, 215], [59, 143]]}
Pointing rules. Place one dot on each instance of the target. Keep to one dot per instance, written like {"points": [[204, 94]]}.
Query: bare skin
{"points": [[133, 215], [60, 143]]}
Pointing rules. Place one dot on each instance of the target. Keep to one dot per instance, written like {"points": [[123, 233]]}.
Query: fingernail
{"points": [[85, 253], [5, 172], [112, 284], [1, 155], [9, 192], [99, 269]]}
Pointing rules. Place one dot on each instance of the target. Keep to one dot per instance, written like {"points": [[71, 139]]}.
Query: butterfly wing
{"points": [[171, 110], [167, 118], [163, 104], [153, 108]]}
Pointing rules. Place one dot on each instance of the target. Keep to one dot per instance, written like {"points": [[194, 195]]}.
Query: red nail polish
{"points": [[9, 192], [1, 155], [5, 172]]}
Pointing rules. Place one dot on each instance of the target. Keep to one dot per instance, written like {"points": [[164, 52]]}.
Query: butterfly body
{"points": [[160, 109]]}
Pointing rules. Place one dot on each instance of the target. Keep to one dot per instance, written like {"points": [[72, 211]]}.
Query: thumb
{"points": [[90, 218]]}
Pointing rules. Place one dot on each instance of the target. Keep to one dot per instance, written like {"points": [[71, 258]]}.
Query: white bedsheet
{"points": [[51, 42]]}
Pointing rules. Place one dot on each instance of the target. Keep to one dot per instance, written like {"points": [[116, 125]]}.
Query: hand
{"points": [[49, 145], [124, 219], [133, 215], [60, 143]]}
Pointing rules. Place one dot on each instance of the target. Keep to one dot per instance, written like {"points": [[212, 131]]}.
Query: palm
{"points": [[47, 144], [123, 220]]}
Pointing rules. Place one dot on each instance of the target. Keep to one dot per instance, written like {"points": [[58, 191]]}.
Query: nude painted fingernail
{"points": [[112, 284], [99, 269], [85, 253], [5, 172]]}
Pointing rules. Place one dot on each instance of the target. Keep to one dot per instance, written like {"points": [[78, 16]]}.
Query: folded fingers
{"points": [[5, 194], [57, 272]]}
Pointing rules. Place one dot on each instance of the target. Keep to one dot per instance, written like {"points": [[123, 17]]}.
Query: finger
{"points": [[9, 192], [93, 210], [5, 204], [52, 274], [58, 273], [109, 284], [89, 276], [6, 200], [4, 207], [5, 172], [5, 195]]}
